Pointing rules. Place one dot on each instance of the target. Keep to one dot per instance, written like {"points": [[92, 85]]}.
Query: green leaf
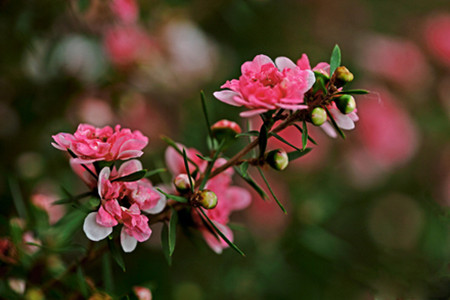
{"points": [[205, 158], [173, 231], [165, 243], [220, 233], [353, 92], [263, 135], [99, 165], [335, 60], [248, 133], [173, 197], [320, 85], [271, 191], [304, 136], [84, 289], [17, 198], [132, 177], [205, 113], [333, 122], [211, 165], [297, 154], [154, 172], [278, 137], [309, 137], [186, 165], [72, 199], [116, 254], [251, 182], [108, 281], [244, 168]]}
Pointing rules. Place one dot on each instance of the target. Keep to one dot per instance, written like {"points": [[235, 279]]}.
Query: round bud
{"points": [[343, 75], [345, 103], [225, 129], [182, 183], [318, 116], [278, 159], [206, 199]]}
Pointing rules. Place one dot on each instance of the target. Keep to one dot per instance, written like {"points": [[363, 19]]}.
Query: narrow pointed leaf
{"points": [[132, 177], [220, 233], [297, 154], [333, 122], [186, 165], [309, 137], [263, 135], [174, 145], [271, 191], [72, 199], [165, 243], [17, 198], [173, 197], [205, 158], [335, 60], [108, 281], [278, 137], [116, 254], [248, 133], [84, 289], [205, 113], [352, 92], [304, 136], [211, 165], [173, 231], [252, 183]]}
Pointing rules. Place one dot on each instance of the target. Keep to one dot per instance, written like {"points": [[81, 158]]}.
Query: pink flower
{"points": [[126, 10], [92, 144], [8, 252], [437, 32], [226, 125], [230, 198], [397, 60], [115, 197], [28, 239], [45, 202], [127, 45], [175, 162], [346, 122], [265, 85], [142, 293]]}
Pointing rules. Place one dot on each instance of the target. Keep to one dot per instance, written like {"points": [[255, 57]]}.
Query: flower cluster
{"points": [[121, 201]]}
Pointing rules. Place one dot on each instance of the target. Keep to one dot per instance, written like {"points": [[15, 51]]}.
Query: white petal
{"points": [[329, 130], [343, 121], [251, 113], [128, 242], [283, 62], [227, 97], [262, 59], [104, 175], [93, 231], [310, 79], [159, 206]]}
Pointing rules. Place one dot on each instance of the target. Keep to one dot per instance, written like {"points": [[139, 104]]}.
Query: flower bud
{"points": [[318, 116], [225, 129], [206, 199], [343, 75], [278, 159], [182, 183], [345, 103]]}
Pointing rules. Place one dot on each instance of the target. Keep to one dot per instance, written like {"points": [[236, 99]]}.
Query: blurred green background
{"points": [[368, 217]]}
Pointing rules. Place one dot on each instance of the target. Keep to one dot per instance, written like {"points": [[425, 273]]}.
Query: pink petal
{"points": [[130, 154], [238, 198], [105, 219], [130, 167], [303, 62], [159, 206], [217, 245], [251, 113], [227, 97], [103, 177], [343, 121], [94, 231], [329, 130]]}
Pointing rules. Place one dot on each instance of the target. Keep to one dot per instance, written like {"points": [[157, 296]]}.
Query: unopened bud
{"points": [[225, 129], [182, 183], [318, 116], [343, 75], [34, 294], [206, 199], [345, 103], [278, 159]]}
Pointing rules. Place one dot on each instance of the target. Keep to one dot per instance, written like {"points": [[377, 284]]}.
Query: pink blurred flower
{"points": [[437, 32], [395, 59], [387, 131], [126, 45], [126, 10], [175, 162], [230, 198], [94, 144], [94, 111], [8, 252], [28, 239], [226, 124], [142, 293], [265, 85], [45, 202]]}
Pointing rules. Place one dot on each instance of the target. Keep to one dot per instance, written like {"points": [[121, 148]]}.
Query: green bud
{"points": [[318, 116], [278, 159], [345, 103], [343, 75], [206, 199], [182, 183]]}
